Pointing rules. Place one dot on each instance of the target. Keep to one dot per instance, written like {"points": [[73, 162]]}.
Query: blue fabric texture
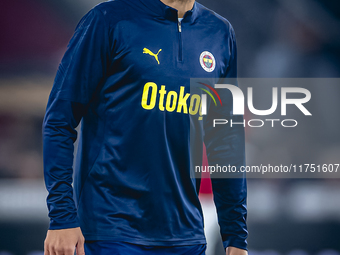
{"points": [[122, 248]]}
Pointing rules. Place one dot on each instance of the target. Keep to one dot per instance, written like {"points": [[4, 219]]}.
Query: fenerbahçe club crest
{"points": [[207, 61]]}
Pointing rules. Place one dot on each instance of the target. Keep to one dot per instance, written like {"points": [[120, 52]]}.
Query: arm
{"points": [[80, 73], [226, 145]]}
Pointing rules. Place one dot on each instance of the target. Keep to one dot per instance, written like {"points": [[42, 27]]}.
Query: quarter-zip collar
{"points": [[170, 13]]}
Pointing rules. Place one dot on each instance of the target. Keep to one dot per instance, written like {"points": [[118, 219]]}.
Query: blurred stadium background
{"points": [[276, 38]]}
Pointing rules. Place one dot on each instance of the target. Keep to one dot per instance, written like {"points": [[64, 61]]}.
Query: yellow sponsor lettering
{"points": [[171, 99], [169, 107], [162, 92], [182, 101], [194, 106], [152, 103]]}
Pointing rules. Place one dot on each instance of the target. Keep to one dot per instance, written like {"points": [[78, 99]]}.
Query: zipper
{"points": [[180, 57]]}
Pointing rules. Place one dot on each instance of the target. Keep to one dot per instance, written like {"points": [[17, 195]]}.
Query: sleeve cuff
{"points": [[235, 242], [54, 225]]}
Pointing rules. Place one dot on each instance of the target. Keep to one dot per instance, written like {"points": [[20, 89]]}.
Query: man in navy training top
{"points": [[126, 76]]}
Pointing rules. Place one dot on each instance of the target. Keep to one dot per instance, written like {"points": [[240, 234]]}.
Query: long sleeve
{"points": [[226, 146], [80, 74]]}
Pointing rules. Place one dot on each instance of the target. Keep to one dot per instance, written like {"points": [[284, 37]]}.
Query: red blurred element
{"points": [[205, 181], [30, 30]]}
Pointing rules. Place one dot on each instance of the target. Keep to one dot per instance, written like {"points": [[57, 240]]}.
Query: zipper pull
{"points": [[179, 27]]}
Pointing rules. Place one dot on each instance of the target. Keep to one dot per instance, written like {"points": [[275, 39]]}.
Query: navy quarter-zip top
{"points": [[126, 77]]}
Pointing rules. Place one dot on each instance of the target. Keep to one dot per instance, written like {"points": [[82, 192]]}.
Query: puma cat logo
{"points": [[147, 51]]}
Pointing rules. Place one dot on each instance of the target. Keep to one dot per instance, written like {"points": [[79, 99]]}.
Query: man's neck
{"points": [[182, 6]]}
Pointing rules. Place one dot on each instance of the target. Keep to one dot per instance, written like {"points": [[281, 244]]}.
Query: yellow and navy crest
{"points": [[207, 61]]}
